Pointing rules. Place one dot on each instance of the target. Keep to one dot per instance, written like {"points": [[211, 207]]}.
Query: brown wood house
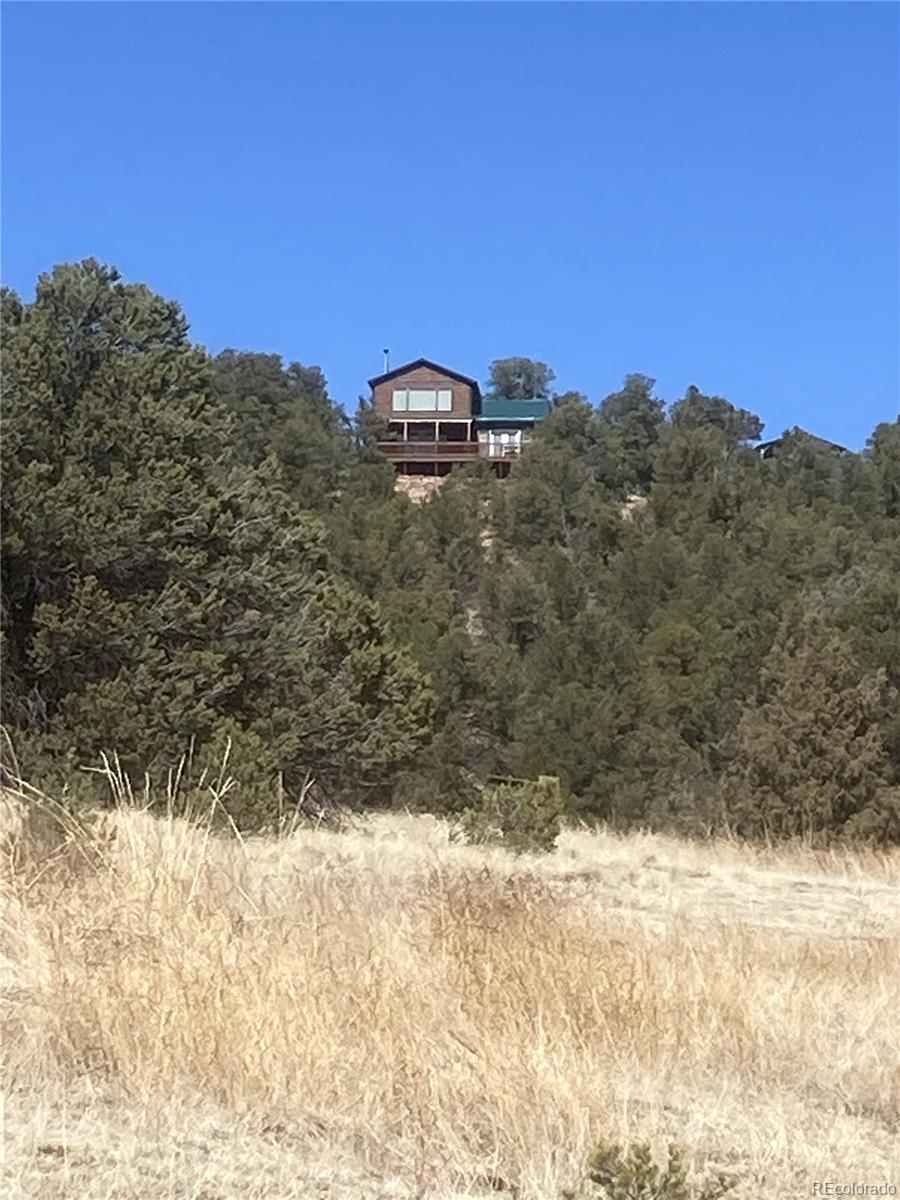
{"points": [[437, 419]]}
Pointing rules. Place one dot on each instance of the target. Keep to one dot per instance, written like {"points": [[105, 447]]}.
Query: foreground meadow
{"points": [[385, 1013]]}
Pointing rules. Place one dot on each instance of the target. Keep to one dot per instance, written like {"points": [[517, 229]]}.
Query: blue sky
{"points": [[706, 193]]}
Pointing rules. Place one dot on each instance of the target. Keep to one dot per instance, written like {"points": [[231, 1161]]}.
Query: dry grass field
{"points": [[385, 1013]]}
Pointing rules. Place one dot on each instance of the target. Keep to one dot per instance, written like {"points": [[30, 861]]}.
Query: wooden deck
{"points": [[429, 451], [445, 451]]}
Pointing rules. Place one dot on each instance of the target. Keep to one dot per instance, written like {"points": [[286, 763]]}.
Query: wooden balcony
{"points": [[415, 451]]}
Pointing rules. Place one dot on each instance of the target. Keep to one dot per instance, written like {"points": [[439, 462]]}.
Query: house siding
{"points": [[424, 377]]}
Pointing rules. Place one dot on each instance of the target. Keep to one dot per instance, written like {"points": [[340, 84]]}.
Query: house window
{"points": [[423, 399], [504, 443]]}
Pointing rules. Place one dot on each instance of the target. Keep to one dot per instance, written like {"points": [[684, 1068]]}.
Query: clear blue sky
{"points": [[706, 193]]}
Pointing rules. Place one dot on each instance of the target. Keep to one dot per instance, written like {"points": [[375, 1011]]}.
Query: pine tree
{"points": [[197, 551], [286, 411], [884, 453], [810, 758], [158, 591], [633, 420]]}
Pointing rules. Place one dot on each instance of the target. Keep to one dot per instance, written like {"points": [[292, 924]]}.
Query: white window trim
{"points": [[400, 400]]}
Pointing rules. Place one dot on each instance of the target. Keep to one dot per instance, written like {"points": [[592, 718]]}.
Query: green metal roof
{"points": [[501, 409]]}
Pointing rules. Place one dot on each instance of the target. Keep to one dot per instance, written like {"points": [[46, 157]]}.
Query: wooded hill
{"points": [[200, 549]]}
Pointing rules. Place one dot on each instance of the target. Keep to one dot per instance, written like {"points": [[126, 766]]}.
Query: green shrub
{"points": [[614, 1174], [522, 815]]}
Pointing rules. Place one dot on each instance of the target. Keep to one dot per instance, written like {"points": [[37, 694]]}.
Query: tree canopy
{"points": [[167, 582], [202, 550], [519, 379]]}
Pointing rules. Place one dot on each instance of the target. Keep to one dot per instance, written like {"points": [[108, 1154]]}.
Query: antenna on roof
{"points": [[387, 359]]}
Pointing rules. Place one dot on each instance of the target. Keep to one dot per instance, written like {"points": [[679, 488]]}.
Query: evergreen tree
{"points": [[519, 379], [553, 497], [197, 551], [286, 411], [884, 452], [633, 420], [810, 758], [698, 411], [158, 592]]}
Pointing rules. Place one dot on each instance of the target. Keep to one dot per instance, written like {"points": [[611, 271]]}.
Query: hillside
{"points": [[385, 1013], [206, 552], [449, 601]]}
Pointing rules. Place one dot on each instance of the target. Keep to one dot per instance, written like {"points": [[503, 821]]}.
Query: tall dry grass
{"points": [[382, 1012]]}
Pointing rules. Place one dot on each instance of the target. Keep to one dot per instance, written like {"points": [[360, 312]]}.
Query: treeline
{"points": [[199, 551]]}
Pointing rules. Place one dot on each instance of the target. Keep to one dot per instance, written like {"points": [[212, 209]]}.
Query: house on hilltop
{"points": [[438, 419], [770, 449]]}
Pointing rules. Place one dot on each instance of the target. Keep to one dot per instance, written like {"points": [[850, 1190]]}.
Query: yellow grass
{"points": [[383, 1013]]}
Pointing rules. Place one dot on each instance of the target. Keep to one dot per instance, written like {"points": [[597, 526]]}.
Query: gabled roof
{"points": [[767, 449], [432, 366]]}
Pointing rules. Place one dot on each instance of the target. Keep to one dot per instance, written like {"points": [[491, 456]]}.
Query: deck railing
{"points": [[409, 451]]}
